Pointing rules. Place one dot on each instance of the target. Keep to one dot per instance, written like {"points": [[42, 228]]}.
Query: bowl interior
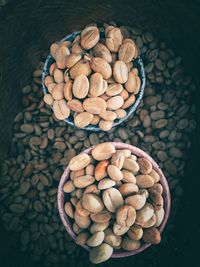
{"points": [[63, 197], [137, 63]]}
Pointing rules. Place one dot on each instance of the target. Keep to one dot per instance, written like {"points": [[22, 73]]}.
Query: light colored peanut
{"points": [[103, 151], [89, 37], [94, 105], [79, 162], [83, 181], [120, 72], [83, 119]]}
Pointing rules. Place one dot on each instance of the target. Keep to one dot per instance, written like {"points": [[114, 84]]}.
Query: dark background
{"points": [[27, 28]]}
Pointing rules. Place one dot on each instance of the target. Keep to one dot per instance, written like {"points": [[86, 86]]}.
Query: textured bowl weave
{"points": [[138, 63], [166, 195]]}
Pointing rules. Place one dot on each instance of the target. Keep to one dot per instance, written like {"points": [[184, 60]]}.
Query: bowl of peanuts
{"points": [[94, 79], [113, 200]]}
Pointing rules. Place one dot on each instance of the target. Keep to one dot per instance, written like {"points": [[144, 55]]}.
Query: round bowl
{"points": [[67, 222], [138, 63]]}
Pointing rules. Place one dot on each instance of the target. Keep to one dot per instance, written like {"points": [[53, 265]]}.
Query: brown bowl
{"points": [[166, 195], [94, 128]]}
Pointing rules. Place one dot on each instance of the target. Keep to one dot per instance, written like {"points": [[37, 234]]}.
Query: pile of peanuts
{"points": [[93, 78], [115, 201]]}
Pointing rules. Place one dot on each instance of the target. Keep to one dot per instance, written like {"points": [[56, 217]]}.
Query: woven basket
{"points": [[26, 30]]}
